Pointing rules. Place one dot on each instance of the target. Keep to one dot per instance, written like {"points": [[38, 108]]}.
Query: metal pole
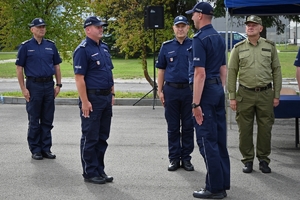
{"points": [[154, 71], [226, 56]]}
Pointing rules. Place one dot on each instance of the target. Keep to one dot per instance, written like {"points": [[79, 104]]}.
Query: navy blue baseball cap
{"points": [[180, 20], [202, 7], [37, 22], [93, 20]]}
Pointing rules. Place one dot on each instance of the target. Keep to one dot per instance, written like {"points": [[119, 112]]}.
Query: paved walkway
{"points": [[8, 61], [124, 85]]}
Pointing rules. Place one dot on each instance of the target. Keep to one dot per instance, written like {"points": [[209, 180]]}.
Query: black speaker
{"points": [[154, 17]]}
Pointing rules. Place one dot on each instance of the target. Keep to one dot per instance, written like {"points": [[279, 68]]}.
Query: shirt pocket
{"points": [[49, 56], [244, 58], [172, 59], [108, 59], [96, 62], [266, 58], [31, 53]]}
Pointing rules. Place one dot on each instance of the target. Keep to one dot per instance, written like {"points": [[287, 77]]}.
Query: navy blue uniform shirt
{"points": [[38, 60], [208, 51], [173, 57], [297, 61], [94, 62]]}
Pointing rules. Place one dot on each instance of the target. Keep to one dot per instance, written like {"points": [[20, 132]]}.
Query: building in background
{"points": [[292, 31]]}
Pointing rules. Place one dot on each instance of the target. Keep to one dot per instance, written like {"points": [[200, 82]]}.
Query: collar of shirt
{"points": [[90, 41], [34, 40], [186, 38], [208, 26], [258, 41]]}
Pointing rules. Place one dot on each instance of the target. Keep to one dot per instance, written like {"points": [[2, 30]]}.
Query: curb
{"points": [[74, 101]]}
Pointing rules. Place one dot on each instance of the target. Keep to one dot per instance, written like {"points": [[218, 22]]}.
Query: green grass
{"points": [[125, 69], [289, 48], [132, 68], [74, 94], [8, 55]]}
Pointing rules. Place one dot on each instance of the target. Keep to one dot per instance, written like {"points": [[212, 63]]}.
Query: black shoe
{"points": [[174, 165], [95, 180], [205, 194], [248, 167], [264, 167], [37, 156], [107, 178], [187, 165], [48, 155], [224, 193]]}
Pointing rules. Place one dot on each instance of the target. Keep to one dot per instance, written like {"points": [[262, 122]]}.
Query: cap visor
{"points": [[180, 22], [42, 24], [189, 12], [251, 21], [32, 25], [101, 24]]}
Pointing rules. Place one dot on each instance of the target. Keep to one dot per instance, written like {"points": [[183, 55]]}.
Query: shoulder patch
{"points": [[25, 41], [50, 41], [270, 42], [240, 43]]}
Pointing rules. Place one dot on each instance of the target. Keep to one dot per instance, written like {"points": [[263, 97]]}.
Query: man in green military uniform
{"points": [[255, 62]]}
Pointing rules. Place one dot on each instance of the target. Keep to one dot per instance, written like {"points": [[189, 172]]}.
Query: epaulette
{"points": [[50, 41], [25, 41], [197, 34], [270, 42], [239, 43], [104, 43], [168, 41], [83, 44]]}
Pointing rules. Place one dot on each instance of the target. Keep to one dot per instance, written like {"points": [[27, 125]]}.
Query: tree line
{"points": [[126, 34]]}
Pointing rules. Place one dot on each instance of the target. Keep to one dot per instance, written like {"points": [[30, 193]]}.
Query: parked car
{"points": [[236, 37]]}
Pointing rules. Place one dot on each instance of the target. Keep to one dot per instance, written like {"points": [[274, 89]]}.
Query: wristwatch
{"points": [[59, 85], [195, 105]]}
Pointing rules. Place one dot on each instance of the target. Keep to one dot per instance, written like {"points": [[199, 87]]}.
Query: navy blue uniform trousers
{"points": [[178, 113], [95, 132], [212, 138], [40, 109]]}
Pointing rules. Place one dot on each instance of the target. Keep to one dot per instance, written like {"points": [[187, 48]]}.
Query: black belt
{"points": [[40, 79], [257, 89], [213, 81], [99, 92], [178, 85], [209, 81]]}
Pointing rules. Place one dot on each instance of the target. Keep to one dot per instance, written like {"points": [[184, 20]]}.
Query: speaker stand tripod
{"points": [[154, 88]]}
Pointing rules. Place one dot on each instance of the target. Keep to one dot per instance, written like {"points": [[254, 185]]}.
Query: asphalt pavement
{"points": [[137, 155], [137, 158]]}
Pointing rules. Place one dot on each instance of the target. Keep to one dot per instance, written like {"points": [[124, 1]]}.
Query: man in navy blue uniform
{"points": [[39, 60], [95, 85], [176, 96], [209, 65]]}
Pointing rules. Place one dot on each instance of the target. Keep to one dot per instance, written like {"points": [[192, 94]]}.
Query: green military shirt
{"points": [[255, 66]]}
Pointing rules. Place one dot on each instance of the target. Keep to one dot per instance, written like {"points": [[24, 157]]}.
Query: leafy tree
{"points": [[64, 21], [127, 26]]}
